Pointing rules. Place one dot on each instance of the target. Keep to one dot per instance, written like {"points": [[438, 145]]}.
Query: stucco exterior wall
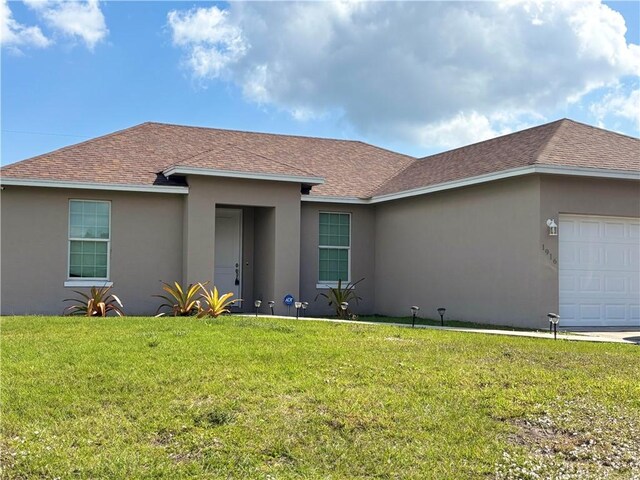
{"points": [[146, 247], [472, 250], [582, 196], [362, 255], [281, 230]]}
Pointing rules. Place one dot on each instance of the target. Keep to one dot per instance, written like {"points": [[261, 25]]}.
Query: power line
{"points": [[44, 133]]}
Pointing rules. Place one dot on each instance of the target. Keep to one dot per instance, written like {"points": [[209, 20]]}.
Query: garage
{"points": [[599, 271]]}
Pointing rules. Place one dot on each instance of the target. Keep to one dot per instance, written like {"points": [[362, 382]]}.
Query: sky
{"points": [[414, 77]]}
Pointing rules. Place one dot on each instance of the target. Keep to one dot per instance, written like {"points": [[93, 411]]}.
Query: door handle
{"points": [[237, 282]]}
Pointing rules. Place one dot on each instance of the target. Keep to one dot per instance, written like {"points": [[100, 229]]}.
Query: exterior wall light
{"points": [[553, 227], [298, 306], [554, 318], [414, 312], [257, 304], [271, 303], [441, 311]]}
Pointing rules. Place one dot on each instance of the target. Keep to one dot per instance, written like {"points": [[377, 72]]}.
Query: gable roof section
{"points": [[135, 156], [563, 143]]}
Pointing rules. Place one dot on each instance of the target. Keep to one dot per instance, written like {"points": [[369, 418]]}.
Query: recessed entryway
{"points": [[228, 251], [599, 271]]}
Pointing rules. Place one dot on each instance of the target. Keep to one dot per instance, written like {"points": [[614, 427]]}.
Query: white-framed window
{"points": [[334, 248], [89, 240]]}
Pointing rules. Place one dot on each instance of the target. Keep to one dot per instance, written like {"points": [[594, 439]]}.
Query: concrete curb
{"points": [[574, 337]]}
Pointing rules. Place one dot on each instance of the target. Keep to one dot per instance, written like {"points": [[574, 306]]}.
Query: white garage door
{"points": [[599, 272]]}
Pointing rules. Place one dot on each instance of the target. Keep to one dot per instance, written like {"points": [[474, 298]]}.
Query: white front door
{"points": [[228, 259], [599, 272]]}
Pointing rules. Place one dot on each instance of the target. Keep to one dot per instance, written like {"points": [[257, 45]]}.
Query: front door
{"points": [[228, 260]]}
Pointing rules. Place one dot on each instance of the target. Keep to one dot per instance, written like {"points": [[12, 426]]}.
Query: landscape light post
{"points": [[298, 306], [414, 311], [304, 308], [271, 304], [554, 318], [257, 304], [343, 307], [441, 311]]}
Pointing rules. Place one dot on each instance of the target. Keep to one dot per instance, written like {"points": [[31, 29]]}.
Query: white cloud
{"points": [[212, 42], [77, 19], [462, 129], [15, 35], [407, 70], [618, 104]]}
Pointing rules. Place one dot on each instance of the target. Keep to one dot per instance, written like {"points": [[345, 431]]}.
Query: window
{"points": [[335, 246], [89, 239]]}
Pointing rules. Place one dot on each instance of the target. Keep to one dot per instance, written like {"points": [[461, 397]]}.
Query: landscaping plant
{"points": [[216, 304], [182, 302], [96, 304], [338, 295]]}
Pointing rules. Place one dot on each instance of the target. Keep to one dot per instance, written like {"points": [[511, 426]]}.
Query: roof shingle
{"points": [[135, 156]]}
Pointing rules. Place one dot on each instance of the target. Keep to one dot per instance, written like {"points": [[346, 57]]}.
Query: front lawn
{"points": [[274, 399]]}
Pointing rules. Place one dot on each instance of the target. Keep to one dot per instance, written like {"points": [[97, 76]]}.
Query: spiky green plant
{"points": [[215, 304], [182, 302], [98, 303], [338, 295]]}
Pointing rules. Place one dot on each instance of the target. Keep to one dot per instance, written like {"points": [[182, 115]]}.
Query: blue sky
{"points": [[417, 78]]}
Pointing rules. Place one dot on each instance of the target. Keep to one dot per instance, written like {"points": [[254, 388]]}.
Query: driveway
{"points": [[617, 334]]}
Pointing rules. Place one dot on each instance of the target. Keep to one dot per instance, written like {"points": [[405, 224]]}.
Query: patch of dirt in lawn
{"points": [[574, 440]]}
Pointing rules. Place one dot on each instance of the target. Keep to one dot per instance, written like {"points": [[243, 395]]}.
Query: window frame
{"points": [[322, 284], [87, 281]]}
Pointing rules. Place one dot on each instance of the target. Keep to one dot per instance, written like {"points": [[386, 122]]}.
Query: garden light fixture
{"points": [[271, 304], [554, 318], [298, 306], [553, 227], [441, 311], [304, 307], [344, 306], [414, 312], [257, 304]]}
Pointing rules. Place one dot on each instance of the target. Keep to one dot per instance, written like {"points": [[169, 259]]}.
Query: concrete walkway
{"points": [[603, 337]]}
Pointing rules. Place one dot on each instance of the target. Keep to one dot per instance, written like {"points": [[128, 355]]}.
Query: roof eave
{"points": [[33, 182], [210, 172]]}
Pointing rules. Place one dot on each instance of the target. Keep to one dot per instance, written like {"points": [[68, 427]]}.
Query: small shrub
{"points": [[98, 303], [182, 302], [216, 304], [338, 295]]}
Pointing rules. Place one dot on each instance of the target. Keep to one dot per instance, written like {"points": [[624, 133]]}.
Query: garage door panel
{"points": [[615, 230], [589, 229], [568, 312], [599, 271], [616, 312], [590, 284], [616, 285]]}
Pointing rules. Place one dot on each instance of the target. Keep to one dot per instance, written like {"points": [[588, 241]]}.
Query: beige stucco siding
{"points": [[472, 250], [582, 196], [276, 234], [362, 255], [146, 247]]}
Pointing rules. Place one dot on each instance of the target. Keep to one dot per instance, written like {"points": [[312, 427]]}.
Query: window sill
{"points": [[328, 285], [88, 283]]}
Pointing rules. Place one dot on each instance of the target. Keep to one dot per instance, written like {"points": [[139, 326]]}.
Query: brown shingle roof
{"points": [[136, 155], [561, 143]]}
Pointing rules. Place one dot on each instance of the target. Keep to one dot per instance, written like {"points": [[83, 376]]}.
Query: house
{"points": [[503, 231]]}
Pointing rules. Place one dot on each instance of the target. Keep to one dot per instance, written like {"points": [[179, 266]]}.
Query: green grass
{"points": [[277, 399]]}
